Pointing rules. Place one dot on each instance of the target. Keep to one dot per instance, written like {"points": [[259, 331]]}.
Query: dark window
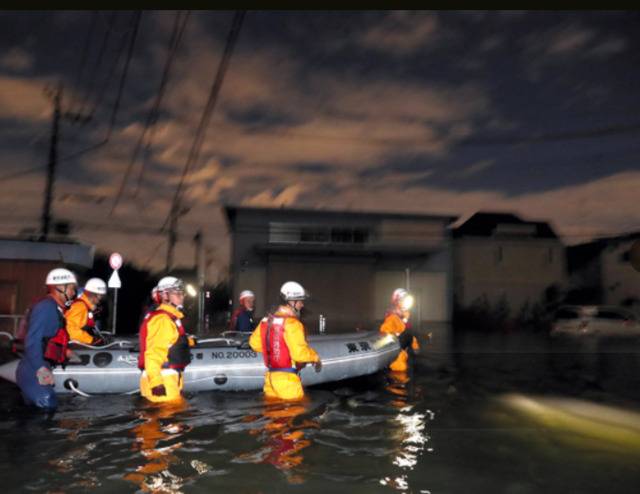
{"points": [[342, 235], [609, 314], [313, 235], [360, 236], [566, 314], [336, 235]]}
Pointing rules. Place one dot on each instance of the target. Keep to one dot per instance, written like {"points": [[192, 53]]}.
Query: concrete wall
{"points": [[519, 270], [619, 280]]}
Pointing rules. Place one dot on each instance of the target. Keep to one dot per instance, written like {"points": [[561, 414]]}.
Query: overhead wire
{"points": [[98, 62], [148, 146], [207, 112], [135, 23], [174, 42], [83, 57], [111, 72]]}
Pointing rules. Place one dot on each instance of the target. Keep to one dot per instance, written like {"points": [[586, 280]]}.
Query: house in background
{"points": [[350, 262], [503, 257], [600, 272], [23, 268]]}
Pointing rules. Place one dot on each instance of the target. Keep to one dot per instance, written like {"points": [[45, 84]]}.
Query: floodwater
{"points": [[495, 417]]}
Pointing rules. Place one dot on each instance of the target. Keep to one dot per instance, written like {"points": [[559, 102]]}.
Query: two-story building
{"points": [[505, 258], [350, 262]]}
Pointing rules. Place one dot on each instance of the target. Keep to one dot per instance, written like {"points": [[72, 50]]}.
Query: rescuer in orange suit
{"points": [[164, 345], [81, 323], [280, 337], [396, 322]]}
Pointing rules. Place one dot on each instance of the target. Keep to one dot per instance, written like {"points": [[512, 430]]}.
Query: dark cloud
{"points": [[315, 168], [332, 108]]}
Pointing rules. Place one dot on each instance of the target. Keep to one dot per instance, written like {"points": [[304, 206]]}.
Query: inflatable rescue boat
{"points": [[218, 364]]}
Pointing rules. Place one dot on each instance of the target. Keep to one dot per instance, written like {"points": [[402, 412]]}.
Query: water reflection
{"points": [[72, 461], [281, 428], [410, 434], [155, 438]]}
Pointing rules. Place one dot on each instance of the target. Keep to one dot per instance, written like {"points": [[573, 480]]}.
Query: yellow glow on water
{"points": [[581, 422]]}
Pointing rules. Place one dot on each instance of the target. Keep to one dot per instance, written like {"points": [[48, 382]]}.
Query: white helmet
{"points": [[95, 285], [403, 298], [170, 283], [61, 276], [398, 294], [246, 294], [293, 291]]}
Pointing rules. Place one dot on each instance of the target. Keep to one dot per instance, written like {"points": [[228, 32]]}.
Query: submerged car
{"points": [[597, 320]]}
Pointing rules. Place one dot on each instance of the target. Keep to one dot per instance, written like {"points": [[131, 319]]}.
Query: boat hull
{"points": [[217, 366]]}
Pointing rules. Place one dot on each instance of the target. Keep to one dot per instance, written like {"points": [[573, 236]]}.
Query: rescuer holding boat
{"points": [[46, 340], [81, 323], [396, 322], [280, 337], [164, 345]]}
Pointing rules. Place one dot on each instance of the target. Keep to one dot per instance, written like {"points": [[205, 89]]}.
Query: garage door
{"points": [[341, 291]]}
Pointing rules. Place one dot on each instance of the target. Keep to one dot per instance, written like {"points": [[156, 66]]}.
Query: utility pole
{"points": [[177, 211], [199, 261], [56, 98], [173, 225], [51, 166]]}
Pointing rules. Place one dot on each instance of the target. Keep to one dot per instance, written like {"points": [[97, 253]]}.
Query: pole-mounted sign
{"points": [[115, 261]]}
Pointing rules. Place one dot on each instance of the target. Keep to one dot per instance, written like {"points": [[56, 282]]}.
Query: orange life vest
{"points": [[179, 355], [275, 350], [55, 348]]}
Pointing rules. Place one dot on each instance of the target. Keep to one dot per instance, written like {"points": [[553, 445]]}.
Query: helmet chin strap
{"points": [[67, 299], [180, 307], [292, 305]]}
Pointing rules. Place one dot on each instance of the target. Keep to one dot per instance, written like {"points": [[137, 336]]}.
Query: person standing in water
{"points": [[280, 337], [396, 322], [46, 341]]}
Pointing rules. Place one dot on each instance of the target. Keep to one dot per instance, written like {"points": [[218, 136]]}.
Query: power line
{"points": [[611, 130], [152, 116], [98, 62], [114, 111], [21, 173], [153, 254], [125, 70], [617, 129], [147, 151], [83, 58], [204, 121], [150, 230], [111, 72]]}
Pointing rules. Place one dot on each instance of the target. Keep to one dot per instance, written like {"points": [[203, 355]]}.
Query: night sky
{"points": [[418, 112]]}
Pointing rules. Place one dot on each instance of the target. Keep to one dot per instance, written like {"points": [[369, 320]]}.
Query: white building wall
{"points": [[518, 270]]}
